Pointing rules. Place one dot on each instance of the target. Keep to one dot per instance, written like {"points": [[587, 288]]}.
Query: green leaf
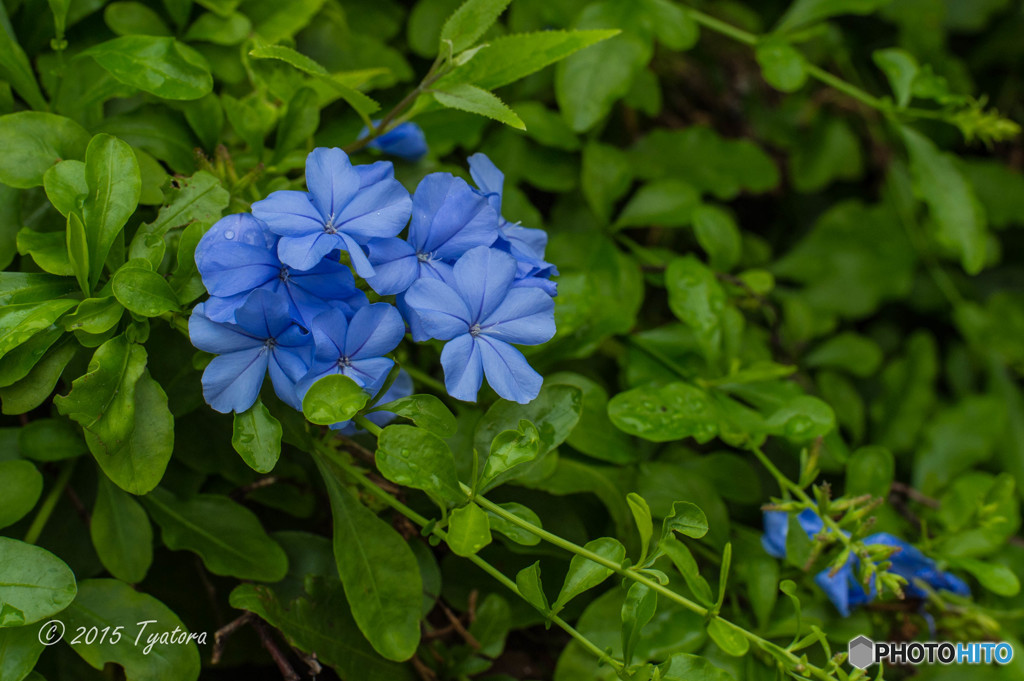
{"points": [[16, 364], [426, 411], [465, 97], [19, 650], [605, 178], [126, 18], [782, 65], [684, 666], [143, 291], [585, 574], [50, 440], [697, 299], [357, 100], [256, 436], [299, 122], [49, 250], [728, 639], [29, 392], [199, 198], [161, 66], [997, 578], [34, 141], [509, 58], [595, 435], [801, 419], [832, 151], [509, 451], [210, 28], [333, 399], [380, 573], [719, 236], [113, 180], [762, 577], [531, 589], [275, 22], [514, 532], [415, 457], [468, 530], [958, 215], [227, 536], [470, 21], [662, 203], [804, 12], [685, 518], [109, 603], [20, 487], [644, 523], [900, 68], [870, 470], [66, 186], [849, 351], [15, 67], [34, 583], [78, 250], [121, 533], [94, 315], [554, 412], [638, 610], [18, 323], [661, 414], [684, 561]]}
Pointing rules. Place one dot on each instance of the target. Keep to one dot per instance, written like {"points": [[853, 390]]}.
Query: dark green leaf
{"points": [[34, 583], [418, 458], [804, 12], [783, 66], [29, 392], [34, 141], [121, 533], [20, 487], [50, 440], [663, 203], [870, 470], [900, 68], [159, 65], [15, 67], [554, 412], [126, 18], [698, 300]]}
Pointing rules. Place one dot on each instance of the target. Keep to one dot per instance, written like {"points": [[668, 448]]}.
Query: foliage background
{"points": [[718, 213]]}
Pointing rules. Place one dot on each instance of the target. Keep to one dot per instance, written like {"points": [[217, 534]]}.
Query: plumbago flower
{"points": [[843, 588], [406, 141], [345, 207], [481, 314]]}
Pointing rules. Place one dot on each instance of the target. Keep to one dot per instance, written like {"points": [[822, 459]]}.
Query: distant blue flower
{"points": [[480, 314], [406, 141], [526, 244], [263, 338], [448, 219], [345, 207], [843, 588], [232, 267], [354, 347]]}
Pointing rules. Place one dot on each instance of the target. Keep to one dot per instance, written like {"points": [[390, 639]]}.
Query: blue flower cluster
{"points": [[283, 302], [843, 588]]}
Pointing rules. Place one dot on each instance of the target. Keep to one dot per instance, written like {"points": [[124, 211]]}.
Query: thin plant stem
{"points": [[425, 378], [50, 503]]}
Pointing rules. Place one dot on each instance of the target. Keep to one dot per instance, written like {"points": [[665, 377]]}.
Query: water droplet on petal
{"points": [[229, 234]]}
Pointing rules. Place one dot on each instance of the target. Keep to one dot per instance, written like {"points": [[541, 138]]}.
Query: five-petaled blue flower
{"points": [[480, 314], [263, 338], [239, 255], [406, 141], [345, 207], [448, 219], [843, 588], [354, 347]]}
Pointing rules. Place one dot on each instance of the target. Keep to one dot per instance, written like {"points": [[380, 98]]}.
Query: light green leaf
{"points": [[719, 236], [15, 67], [16, 364], [113, 180], [468, 530], [19, 650], [728, 639], [685, 518], [782, 65], [509, 451], [143, 291], [66, 186], [661, 414], [698, 300], [901, 68], [34, 583], [226, 535], [18, 323], [514, 532], [20, 487], [121, 533], [684, 561], [684, 667], [159, 65], [34, 141], [465, 97], [662, 203], [644, 523], [530, 587], [426, 411], [415, 457], [49, 250], [256, 436], [380, 573], [997, 578], [801, 419], [638, 609], [470, 21], [109, 603], [585, 574], [333, 399], [804, 12], [210, 28]]}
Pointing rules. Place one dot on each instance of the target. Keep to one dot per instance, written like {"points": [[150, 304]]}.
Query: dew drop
{"points": [[229, 234]]}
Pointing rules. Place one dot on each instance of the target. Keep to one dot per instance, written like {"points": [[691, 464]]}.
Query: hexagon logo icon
{"points": [[862, 652]]}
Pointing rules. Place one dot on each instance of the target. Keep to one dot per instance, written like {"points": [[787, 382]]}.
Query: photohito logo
{"points": [[863, 652]]}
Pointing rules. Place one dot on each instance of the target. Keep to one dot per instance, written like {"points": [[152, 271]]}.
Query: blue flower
{"points": [[263, 338], [406, 141], [527, 245], [354, 347], [240, 256], [345, 207], [843, 588], [480, 314], [448, 219]]}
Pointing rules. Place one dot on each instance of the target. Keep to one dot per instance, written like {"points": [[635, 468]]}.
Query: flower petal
{"points": [[369, 373], [405, 141], [240, 228], [526, 317], [449, 218], [463, 368], [488, 178], [231, 382], [395, 265], [483, 277], [776, 527], [218, 337], [374, 331], [439, 308], [264, 314], [230, 268], [380, 208], [508, 372], [286, 368], [305, 252], [331, 181], [330, 329], [289, 213]]}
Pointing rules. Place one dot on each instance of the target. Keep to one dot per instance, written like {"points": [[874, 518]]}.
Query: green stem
{"points": [[367, 424], [426, 379], [415, 517], [177, 321], [50, 503]]}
